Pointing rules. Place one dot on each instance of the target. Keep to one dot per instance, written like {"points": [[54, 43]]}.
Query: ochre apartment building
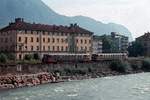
{"points": [[23, 38]]}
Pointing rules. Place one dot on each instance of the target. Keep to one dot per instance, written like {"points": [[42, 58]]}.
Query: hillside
{"points": [[37, 11]]}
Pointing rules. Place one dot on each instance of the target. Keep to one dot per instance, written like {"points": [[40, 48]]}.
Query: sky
{"points": [[133, 14]]}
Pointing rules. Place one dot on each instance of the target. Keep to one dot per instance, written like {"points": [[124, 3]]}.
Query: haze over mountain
{"points": [[37, 11]]}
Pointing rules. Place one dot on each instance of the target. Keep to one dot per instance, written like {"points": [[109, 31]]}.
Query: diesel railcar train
{"points": [[74, 57]]}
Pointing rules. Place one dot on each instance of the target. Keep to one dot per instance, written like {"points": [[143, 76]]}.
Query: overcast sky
{"points": [[133, 14]]}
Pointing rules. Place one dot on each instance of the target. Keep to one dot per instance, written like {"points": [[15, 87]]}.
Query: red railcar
{"points": [[66, 57]]}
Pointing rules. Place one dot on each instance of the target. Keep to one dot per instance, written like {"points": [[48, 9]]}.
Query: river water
{"points": [[129, 87]]}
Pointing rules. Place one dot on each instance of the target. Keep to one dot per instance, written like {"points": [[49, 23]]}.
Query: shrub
{"points": [[3, 58], [146, 64], [28, 57], [10, 56], [135, 67], [36, 56], [120, 66]]}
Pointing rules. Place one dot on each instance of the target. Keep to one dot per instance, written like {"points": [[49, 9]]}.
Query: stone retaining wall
{"points": [[37, 68]]}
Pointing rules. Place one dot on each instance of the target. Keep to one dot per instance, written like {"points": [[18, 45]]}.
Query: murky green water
{"points": [[130, 87]]}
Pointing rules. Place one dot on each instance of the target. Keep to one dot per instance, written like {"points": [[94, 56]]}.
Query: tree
{"points": [[136, 49], [3, 58], [120, 66], [108, 45], [36, 56], [10, 56], [28, 57], [146, 64]]}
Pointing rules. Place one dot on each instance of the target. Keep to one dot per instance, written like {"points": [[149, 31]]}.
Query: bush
{"points": [[120, 66], [28, 57], [10, 56], [74, 72], [36, 56], [3, 58], [135, 67], [146, 64]]}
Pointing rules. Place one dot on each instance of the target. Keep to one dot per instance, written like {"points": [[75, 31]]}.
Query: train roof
{"points": [[68, 54]]}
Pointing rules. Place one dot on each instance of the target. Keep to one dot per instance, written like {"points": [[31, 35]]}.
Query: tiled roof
{"points": [[19, 24]]}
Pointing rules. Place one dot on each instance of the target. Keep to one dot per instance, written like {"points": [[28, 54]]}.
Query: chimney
{"points": [[71, 25], [19, 20]]}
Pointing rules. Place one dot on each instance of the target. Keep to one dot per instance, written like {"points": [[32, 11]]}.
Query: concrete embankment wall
{"points": [[37, 68]]}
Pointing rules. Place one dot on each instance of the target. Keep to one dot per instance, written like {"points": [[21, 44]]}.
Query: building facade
{"points": [[97, 44], [23, 38], [144, 40], [121, 42]]}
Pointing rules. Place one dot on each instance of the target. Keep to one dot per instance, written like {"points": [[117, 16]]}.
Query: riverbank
{"points": [[28, 80], [26, 75]]}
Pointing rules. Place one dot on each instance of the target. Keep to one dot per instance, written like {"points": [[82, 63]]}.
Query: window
{"points": [[31, 32], [57, 48], [62, 48], [81, 41], [20, 57], [62, 40], [37, 39], [43, 48], [89, 41], [85, 48], [48, 40], [57, 40], [44, 40], [66, 40], [19, 39], [26, 39], [49, 48], [20, 48], [66, 48], [10, 39], [81, 48], [1, 39], [31, 39], [43, 33], [25, 31], [26, 47], [53, 48], [6, 40], [85, 41], [37, 48], [53, 40], [31, 48], [76, 40]]}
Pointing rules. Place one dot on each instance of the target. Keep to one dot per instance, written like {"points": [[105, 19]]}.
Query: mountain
{"points": [[37, 11]]}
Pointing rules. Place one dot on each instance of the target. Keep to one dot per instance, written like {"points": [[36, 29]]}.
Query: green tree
{"points": [[36, 56], [3, 58], [10, 56], [146, 64], [108, 44], [28, 57], [136, 49], [120, 66]]}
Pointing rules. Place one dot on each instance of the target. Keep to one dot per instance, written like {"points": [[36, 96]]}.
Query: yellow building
{"points": [[23, 38]]}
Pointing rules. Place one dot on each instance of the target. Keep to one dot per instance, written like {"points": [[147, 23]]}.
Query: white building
{"points": [[97, 45]]}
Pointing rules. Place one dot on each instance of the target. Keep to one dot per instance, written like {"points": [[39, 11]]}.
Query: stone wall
{"points": [[37, 68]]}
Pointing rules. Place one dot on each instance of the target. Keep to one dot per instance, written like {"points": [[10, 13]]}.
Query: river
{"points": [[128, 87]]}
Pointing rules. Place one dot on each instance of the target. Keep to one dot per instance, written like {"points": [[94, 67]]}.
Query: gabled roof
{"points": [[19, 24]]}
